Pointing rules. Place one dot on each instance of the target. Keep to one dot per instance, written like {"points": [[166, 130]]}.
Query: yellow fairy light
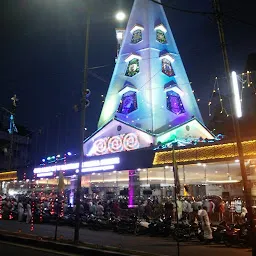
{"points": [[213, 91], [209, 103], [205, 153], [198, 99], [193, 91]]}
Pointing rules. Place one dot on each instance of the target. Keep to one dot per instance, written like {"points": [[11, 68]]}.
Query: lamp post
{"points": [[84, 104], [236, 114]]}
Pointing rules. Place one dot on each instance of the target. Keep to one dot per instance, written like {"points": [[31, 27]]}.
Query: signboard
{"points": [[6, 176], [88, 166]]}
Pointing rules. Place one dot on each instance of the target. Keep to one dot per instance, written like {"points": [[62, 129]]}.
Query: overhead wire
{"points": [[225, 15]]}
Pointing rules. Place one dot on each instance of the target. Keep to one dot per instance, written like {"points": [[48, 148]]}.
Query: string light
{"points": [[10, 215], [41, 206], [216, 89], [1, 201], [32, 217], [197, 99], [32, 210]]}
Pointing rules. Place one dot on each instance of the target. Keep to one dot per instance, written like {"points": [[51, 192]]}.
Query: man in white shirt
{"points": [[206, 225]]}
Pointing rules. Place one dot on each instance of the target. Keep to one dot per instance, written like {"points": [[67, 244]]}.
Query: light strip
{"points": [[137, 27], [46, 174], [222, 181], [132, 56], [236, 99], [167, 56], [94, 163], [99, 168], [161, 27]]}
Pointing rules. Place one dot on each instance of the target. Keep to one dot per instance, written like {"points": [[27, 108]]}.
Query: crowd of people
{"points": [[204, 211], [152, 207]]}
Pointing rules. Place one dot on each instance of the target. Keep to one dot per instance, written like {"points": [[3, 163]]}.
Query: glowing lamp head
{"points": [[69, 153], [236, 95], [120, 16], [119, 35]]}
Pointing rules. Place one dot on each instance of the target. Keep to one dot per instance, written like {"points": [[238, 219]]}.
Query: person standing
{"points": [[20, 211], [29, 213], [221, 211], [206, 225], [93, 209], [100, 209]]}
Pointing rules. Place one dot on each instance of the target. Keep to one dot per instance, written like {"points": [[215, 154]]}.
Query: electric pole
{"points": [[246, 182], [84, 105]]}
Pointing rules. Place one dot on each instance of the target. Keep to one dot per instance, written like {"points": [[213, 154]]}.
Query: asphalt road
{"points": [[156, 245], [9, 249]]}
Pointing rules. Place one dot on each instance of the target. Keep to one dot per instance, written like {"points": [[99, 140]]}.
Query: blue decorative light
{"points": [[128, 103], [174, 103]]}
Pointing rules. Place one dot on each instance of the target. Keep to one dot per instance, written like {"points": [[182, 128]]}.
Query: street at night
{"points": [[128, 127]]}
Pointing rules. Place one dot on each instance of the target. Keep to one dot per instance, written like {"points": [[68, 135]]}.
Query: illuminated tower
{"points": [[149, 99], [149, 88]]}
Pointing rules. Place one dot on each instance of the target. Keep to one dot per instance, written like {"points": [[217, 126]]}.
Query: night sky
{"points": [[42, 55]]}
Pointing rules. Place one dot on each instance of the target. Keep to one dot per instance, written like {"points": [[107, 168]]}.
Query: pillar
{"points": [[134, 187]]}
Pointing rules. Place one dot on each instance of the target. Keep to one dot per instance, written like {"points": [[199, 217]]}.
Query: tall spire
{"points": [[149, 88]]}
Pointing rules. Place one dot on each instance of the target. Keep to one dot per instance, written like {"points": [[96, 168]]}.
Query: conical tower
{"points": [[149, 100], [149, 88]]}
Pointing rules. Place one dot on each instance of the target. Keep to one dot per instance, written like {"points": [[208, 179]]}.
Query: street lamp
{"points": [[120, 16], [236, 98]]}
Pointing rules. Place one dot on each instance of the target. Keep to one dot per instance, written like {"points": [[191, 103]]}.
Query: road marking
{"points": [[38, 249]]}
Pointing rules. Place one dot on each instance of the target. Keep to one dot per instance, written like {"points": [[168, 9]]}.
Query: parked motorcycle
{"points": [[238, 235], [160, 227], [184, 231]]}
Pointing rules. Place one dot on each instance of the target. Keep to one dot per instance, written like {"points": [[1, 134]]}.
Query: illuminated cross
{"points": [[14, 100]]}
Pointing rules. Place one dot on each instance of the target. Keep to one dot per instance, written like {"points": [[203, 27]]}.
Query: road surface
{"points": [[9, 249], [155, 245]]}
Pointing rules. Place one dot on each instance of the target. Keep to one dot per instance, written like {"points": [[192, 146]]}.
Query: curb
{"points": [[41, 242]]}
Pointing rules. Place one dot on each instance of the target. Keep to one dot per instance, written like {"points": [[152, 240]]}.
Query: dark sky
{"points": [[42, 56]]}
